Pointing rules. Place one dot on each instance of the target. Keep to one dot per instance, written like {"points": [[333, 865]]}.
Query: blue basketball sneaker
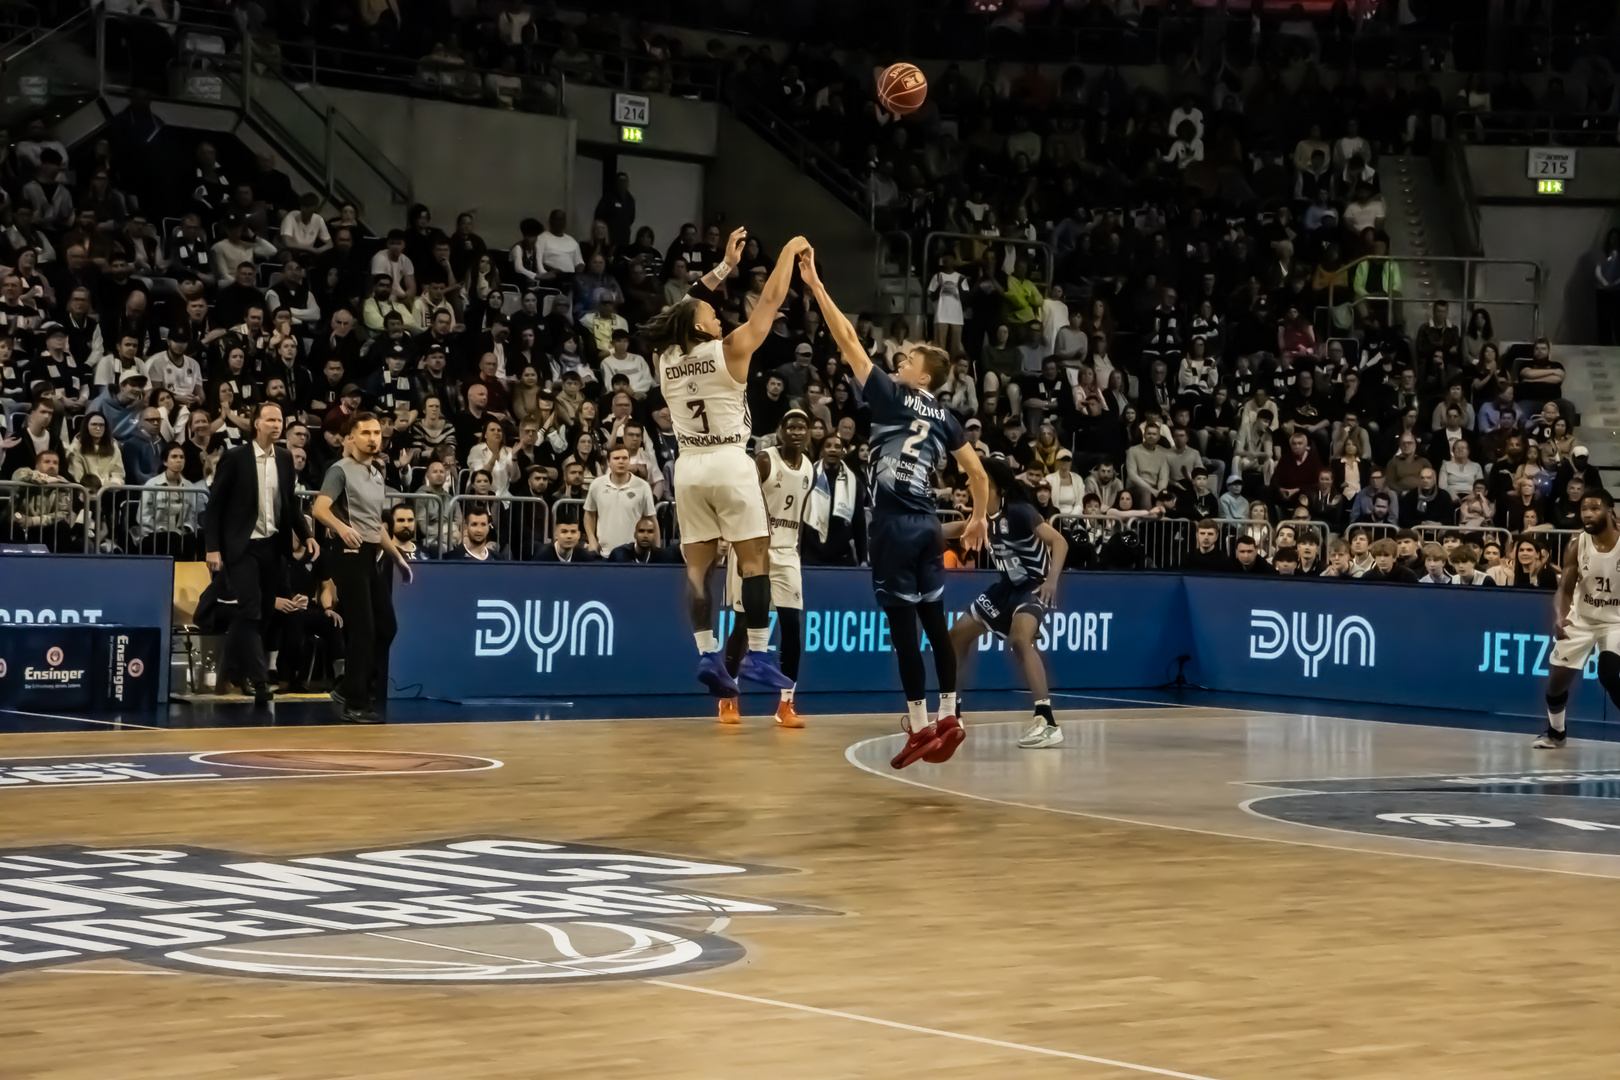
{"points": [[762, 667], [713, 674]]}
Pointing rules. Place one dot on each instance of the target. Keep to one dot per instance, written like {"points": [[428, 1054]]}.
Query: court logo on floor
{"points": [[475, 910], [1546, 811], [185, 766]]}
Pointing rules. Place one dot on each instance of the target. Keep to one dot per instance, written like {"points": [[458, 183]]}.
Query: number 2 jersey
{"points": [[707, 407], [911, 435]]}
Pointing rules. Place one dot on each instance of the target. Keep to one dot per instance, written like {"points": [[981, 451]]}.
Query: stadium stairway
{"points": [[1417, 224]]}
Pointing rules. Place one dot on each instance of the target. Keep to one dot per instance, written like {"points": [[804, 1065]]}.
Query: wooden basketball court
{"points": [[1120, 906]]}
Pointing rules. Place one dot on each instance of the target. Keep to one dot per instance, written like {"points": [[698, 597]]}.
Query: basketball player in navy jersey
{"points": [[911, 435], [1030, 554]]}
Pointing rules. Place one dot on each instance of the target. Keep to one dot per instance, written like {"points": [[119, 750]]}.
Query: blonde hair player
{"points": [[1586, 613], [911, 434], [703, 373], [784, 476]]}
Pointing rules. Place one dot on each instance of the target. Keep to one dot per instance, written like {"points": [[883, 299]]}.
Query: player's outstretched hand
{"points": [[976, 534], [734, 245], [796, 245], [807, 267]]}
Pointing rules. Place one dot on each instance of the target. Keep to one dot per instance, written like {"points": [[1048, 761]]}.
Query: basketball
{"points": [[902, 89]]}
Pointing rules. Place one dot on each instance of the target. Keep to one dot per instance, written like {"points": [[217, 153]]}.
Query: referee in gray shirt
{"points": [[351, 504]]}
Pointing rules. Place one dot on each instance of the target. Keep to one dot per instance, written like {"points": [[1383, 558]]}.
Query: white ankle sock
{"points": [[759, 640], [706, 642], [1555, 720], [947, 704], [916, 715], [787, 695]]}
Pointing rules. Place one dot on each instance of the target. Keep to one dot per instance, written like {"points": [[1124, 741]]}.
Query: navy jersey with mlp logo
{"points": [[911, 435]]}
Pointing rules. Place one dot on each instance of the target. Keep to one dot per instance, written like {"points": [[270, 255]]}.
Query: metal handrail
{"points": [[1463, 202], [810, 158], [991, 241], [906, 268], [1468, 300], [239, 70], [372, 67], [15, 492], [1489, 125]]}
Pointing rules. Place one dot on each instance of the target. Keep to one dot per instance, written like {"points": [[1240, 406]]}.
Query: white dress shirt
{"points": [[264, 461]]}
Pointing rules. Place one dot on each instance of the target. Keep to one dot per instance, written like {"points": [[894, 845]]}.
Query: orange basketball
{"points": [[902, 89]]}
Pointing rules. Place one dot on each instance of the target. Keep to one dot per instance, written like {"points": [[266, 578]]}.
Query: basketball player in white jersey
{"points": [[784, 477], [1586, 613], [703, 373]]}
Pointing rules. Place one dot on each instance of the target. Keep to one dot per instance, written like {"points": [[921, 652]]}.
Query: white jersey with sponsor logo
{"points": [[786, 490], [709, 408], [1597, 591]]}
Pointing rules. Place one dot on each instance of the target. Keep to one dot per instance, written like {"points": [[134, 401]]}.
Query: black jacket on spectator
{"points": [[627, 553], [1214, 561], [1438, 508]]}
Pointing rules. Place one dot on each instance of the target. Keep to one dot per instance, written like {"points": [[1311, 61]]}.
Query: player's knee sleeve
{"points": [[937, 627], [907, 645], [756, 598], [791, 622], [1556, 702]]}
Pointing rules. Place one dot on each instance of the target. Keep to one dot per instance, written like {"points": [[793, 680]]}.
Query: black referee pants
{"points": [[366, 602]]}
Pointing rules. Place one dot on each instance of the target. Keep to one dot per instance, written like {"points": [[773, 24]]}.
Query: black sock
{"points": [[1043, 709]]}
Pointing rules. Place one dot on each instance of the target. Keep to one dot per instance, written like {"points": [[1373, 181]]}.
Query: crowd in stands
{"points": [[1210, 372]]}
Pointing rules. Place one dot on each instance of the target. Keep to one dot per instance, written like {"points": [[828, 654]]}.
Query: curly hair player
{"points": [[1586, 613], [703, 373], [911, 434], [1030, 554]]}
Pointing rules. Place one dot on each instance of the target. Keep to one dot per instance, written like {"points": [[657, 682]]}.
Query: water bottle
{"points": [[210, 675]]}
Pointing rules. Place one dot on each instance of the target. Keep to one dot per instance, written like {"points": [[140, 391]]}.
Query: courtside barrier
{"points": [[69, 591], [478, 632], [481, 631]]}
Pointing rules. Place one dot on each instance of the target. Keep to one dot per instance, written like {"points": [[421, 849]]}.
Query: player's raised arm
{"points": [[849, 342], [716, 278], [977, 531], [740, 344]]}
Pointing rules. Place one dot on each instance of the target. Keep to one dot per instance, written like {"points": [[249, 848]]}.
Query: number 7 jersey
{"points": [[707, 407], [911, 435]]}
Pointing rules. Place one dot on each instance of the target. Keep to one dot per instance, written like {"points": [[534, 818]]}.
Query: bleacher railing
{"points": [[56, 515], [215, 64], [1487, 283]]}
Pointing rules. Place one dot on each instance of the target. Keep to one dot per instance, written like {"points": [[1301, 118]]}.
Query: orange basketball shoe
{"points": [[951, 733], [787, 716], [919, 744], [728, 711]]}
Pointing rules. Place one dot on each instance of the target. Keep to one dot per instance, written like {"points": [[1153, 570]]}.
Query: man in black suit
{"points": [[252, 517]]}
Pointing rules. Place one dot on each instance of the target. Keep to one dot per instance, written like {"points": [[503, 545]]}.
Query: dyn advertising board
{"points": [[534, 630], [1433, 646]]}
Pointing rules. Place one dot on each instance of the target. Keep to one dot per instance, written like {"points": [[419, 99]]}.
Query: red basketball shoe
{"points": [[919, 744], [951, 733]]}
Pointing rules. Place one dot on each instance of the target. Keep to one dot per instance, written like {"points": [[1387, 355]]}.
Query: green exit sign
{"points": [[1549, 187], [631, 133]]}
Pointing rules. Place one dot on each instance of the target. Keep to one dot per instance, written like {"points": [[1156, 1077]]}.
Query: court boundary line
{"points": [[76, 720], [849, 756], [981, 1040]]}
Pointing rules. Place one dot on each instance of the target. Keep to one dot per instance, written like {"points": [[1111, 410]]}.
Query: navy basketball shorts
{"points": [[997, 605], [907, 552]]}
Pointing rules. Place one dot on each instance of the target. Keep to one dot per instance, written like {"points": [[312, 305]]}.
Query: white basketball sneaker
{"points": [[1040, 735], [1549, 740]]}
